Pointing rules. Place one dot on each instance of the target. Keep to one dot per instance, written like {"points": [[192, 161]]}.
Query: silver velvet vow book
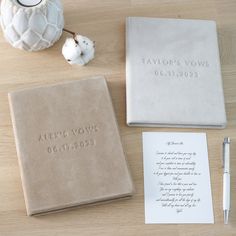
{"points": [[173, 75]]}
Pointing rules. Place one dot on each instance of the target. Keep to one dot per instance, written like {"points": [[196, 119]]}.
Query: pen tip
{"points": [[226, 216]]}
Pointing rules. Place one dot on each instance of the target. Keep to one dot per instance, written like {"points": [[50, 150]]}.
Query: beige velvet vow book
{"points": [[68, 146]]}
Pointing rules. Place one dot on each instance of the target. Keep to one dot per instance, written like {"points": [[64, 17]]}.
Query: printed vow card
{"points": [[176, 178]]}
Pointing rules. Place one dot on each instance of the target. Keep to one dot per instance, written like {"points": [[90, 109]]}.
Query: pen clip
{"points": [[226, 141], [223, 156]]}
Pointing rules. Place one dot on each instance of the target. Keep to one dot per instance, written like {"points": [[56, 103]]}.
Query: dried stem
{"points": [[70, 32], [73, 33]]}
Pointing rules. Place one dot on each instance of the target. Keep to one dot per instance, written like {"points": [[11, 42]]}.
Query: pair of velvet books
{"points": [[67, 139]]}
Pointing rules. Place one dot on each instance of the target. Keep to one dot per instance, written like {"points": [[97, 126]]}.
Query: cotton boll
{"points": [[79, 50], [71, 51]]}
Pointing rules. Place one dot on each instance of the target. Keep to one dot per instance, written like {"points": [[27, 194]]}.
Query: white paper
{"points": [[176, 178]]}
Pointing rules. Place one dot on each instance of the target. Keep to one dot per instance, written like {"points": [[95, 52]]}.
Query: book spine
{"points": [[220, 74], [128, 70], [18, 151]]}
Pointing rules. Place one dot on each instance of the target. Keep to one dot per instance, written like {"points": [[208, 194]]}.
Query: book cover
{"points": [[68, 146], [173, 74]]}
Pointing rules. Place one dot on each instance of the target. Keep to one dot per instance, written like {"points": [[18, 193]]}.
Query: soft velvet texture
{"points": [[69, 147]]}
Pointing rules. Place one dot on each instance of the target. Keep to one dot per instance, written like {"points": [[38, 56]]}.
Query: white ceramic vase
{"points": [[32, 28]]}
